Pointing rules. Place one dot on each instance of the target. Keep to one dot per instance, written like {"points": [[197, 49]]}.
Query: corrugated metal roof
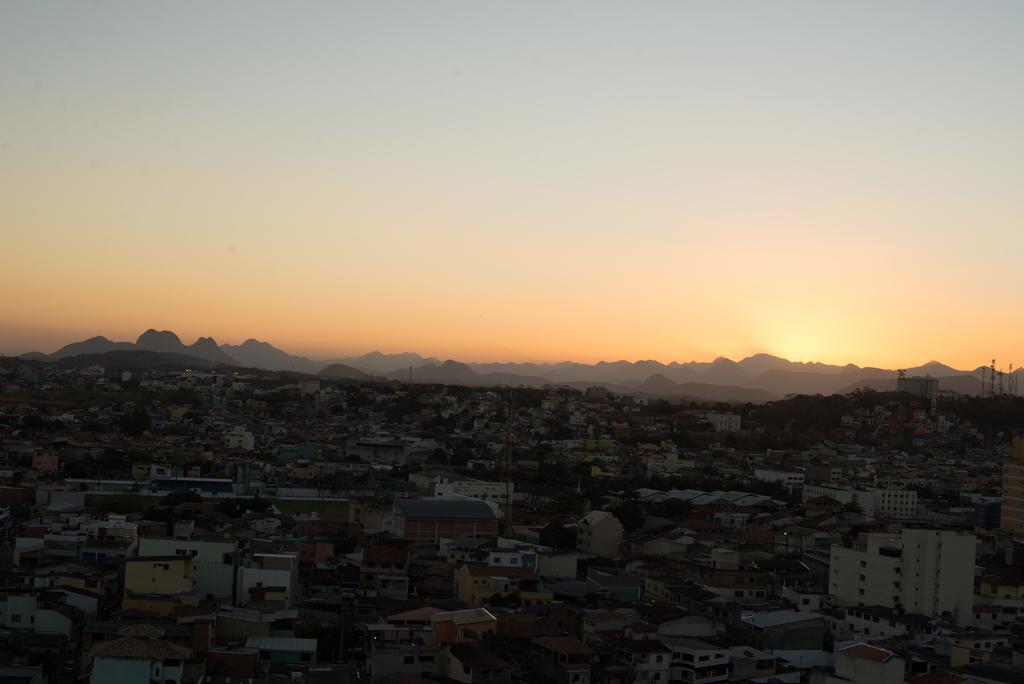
{"points": [[270, 643], [445, 509]]}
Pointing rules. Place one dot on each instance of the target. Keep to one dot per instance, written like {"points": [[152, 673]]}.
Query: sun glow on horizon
{"points": [[582, 181]]}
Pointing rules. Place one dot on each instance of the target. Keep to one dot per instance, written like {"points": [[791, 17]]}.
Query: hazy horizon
{"points": [[187, 340], [834, 182]]}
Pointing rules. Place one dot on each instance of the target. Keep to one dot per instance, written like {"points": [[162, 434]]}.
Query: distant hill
{"points": [[456, 373], [723, 371], [660, 386], [339, 371], [256, 354], [379, 363], [93, 345], [136, 359]]}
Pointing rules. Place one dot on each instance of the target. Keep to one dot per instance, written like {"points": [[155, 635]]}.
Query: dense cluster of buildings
{"points": [[187, 526]]}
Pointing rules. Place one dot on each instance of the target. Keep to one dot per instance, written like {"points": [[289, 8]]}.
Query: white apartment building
{"points": [[492, 492], [788, 479], [697, 661], [930, 572], [668, 463], [899, 504], [240, 437], [723, 422]]}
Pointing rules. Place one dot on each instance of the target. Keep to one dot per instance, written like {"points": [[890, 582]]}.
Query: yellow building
{"points": [[1013, 490], [155, 584], [477, 583]]}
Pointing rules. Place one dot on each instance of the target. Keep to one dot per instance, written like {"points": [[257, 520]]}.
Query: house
{"points": [[471, 662], [866, 664], [402, 662], [155, 584], [620, 587], [40, 614], [477, 584], [384, 570], [697, 661], [563, 659], [213, 562], [269, 579], [646, 660], [457, 626], [138, 659], [784, 630], [599, 533]]}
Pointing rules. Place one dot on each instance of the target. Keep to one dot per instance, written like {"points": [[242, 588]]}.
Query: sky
{"points": [[585, 180]]}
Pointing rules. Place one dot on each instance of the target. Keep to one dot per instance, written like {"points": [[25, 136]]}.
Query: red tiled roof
{"points": [[868, 652]]}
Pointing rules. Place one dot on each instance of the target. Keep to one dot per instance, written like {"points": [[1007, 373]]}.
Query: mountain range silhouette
{"points": [[756, 378]]}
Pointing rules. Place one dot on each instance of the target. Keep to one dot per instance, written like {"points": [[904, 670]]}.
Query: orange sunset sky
{"points": [[518, 181]]}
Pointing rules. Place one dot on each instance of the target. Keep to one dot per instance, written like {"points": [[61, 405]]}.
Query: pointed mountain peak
{"points": [[253, 343], [205, 343]]}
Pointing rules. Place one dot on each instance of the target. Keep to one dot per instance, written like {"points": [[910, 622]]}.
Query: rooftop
{"points": [[271, 643], [445, 509]]}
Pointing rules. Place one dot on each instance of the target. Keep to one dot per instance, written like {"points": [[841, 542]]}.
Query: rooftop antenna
{"points": [[992, 378]]}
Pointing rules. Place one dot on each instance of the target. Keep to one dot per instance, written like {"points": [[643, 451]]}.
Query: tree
{"points": [[853, 507], [557, 536], [135, 423], [176, 498]]}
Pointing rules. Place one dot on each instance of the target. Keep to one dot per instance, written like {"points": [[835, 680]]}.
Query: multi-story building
{"points": [[599, 533], [930, 572], [723, 422], [39, 614], [697, 661], [562, 659], [1013, 490], [647, 660], [788, 479], [899, 504], [268, 577], [496, 493], [213, 561], [925, 387], [666, 463], [155, 584]]}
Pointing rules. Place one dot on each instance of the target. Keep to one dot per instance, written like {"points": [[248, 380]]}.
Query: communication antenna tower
{"points": [[508, 461]]}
